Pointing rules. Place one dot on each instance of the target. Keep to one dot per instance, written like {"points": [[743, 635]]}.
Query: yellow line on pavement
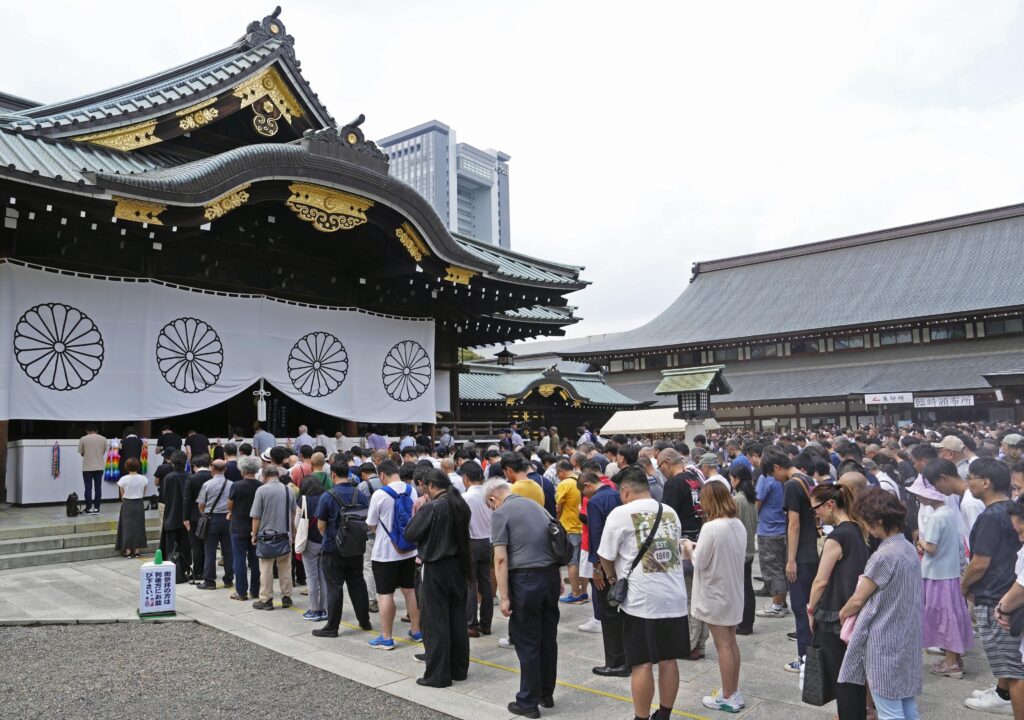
{"points": [[515, 671]]}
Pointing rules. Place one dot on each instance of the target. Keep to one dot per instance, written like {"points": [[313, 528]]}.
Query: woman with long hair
{"points": [[843, 558], [717, 581], [745, 496], [131, 528]]}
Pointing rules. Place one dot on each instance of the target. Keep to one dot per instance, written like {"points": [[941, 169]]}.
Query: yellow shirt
{"points": [[568, 497], [529, 489]]}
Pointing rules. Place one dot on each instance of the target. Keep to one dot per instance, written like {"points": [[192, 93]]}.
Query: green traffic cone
{"points": [[158, 559]]}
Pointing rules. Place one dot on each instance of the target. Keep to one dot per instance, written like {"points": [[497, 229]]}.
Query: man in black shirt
{"points": [[190, 513], [241, 495], [440, 530], [168, 439], [196, 444], [801, 536], [131, 447]]}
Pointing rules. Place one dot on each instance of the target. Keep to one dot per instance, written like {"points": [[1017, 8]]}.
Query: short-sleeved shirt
{"points": [[215, 490], [242, 493], [771, 518], [568, 495], [994, 537], [274, 505], [198, 443], [329, 509], [796, 499], [381, 514], [134, 486], [93, 449], [168, 440], [657, 587], [529, 489], [942, 529], [522, 526]]}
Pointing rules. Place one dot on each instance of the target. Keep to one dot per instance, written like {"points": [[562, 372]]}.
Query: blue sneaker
{"points": [[322, 616], [311, 615], [583, 598], [416, 637], [567, 599], [379, 643]]}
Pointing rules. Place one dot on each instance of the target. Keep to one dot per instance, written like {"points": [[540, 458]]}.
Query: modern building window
{"points": [[848, 342], [949, 331], [768, 350], [810, 345], [727, 354], [896, 337], [1006, 326]]}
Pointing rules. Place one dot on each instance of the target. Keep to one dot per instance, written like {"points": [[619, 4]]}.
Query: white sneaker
{"points": [[990, 703], [715, 701], [505, 643], [590, 626], [771, 610], [983, 693], [935, 651], [794, 667]]}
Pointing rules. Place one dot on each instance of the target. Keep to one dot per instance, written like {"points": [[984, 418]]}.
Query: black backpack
{"points": [[352, 534], [558, 540], [71, 506]]}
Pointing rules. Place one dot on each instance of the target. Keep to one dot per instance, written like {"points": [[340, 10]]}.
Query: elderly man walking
{"points": [[529, 585]]}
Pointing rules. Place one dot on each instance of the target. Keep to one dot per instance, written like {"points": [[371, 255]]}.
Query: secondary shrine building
{"points": [[171, 245], [918, 323]]}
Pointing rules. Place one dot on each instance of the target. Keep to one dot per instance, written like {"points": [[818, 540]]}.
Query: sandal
{"points": [[945, 669]]}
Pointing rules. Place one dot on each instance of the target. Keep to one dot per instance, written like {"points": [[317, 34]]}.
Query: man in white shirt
{"points": [[393, 568], [708, 466], [480, 552], [303, 439], [654, 623], [448, 468]]}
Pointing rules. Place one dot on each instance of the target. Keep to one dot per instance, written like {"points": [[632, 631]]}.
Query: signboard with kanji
{"points": [[944, 401], [156, 589], [897, 398]]}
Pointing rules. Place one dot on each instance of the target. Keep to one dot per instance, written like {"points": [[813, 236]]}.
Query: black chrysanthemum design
{"points": [[58, 346], [189, 354], [406, 371], [317, 364]]}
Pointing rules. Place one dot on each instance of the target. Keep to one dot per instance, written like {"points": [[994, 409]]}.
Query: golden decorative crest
{"points": [[226, 203], [138, 210], [327, 209], [279, 98], [547, 390], [196, 116], [412, 242], [459, 275], [127, 138]]}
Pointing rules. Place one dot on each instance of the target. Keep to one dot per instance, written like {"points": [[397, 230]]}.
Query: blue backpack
{"points": [[400, 517]]}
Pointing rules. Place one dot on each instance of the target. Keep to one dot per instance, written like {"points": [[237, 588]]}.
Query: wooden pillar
{"points": [[453, 394], [349, 428], [429, 429], [144, 428], [3, 460]]}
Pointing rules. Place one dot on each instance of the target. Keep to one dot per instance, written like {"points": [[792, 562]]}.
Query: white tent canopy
{"points": [[648, 422]]}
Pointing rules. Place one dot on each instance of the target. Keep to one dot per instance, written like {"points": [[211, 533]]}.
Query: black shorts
{"points": [[651, 641], [388, 576]]}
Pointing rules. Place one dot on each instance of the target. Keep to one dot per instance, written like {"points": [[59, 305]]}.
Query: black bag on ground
{"points": [[818, 687], [71, 506]]}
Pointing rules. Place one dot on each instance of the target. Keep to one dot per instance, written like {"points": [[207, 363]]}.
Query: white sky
{"points": [[644, 136]]}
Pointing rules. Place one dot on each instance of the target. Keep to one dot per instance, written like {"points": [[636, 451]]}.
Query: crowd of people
{"points": [[879, 543]]}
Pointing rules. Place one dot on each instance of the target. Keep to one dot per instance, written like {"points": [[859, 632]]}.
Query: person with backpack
{"points": [[341, 518], [394, 557]]}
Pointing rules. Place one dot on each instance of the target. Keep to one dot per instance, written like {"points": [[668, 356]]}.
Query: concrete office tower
{"points": [[468, 187]]}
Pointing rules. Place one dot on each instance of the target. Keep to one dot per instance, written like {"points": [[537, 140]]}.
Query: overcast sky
{"points": [[643, 136]]}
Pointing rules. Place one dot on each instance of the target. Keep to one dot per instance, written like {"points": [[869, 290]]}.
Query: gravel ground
{"points": [[173, 671]]}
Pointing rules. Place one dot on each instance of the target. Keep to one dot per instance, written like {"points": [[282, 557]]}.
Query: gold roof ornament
{"points": [[280, 101], [138, 211], [459, 275], [412, 242], [127, 138], [226, 203], [327, 209]]}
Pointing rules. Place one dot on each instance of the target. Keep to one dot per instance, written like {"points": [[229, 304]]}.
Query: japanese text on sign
{"points": [[888, 398], [944, 401]]}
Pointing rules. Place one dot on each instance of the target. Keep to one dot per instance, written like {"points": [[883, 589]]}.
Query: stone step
{"points": [[66, 541], [64, 555], [85, 525]]}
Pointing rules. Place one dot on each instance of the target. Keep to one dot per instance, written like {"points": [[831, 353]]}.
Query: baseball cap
{"points": [[1012, 439], [708, 459], [950, 442]]}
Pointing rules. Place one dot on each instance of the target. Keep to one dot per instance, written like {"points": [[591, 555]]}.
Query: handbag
{"points": [[617, 592], [302, 528], [203, 525], [272, 544], [818, 688]]}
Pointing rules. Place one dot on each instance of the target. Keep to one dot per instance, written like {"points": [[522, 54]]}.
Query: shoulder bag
{"points": [[302, 528], [203, 525], [272, 544], [617, 592]]}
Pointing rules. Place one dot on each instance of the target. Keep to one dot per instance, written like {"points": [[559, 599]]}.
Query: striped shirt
{"points": [[885, 648]]}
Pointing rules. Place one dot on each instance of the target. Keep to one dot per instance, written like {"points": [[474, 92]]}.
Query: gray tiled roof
{"points": [[913, 368], [67, 161], [516, 265], [944, 268], [492, 384], [543, 313]]}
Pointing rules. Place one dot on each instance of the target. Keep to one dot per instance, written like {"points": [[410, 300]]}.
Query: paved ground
{"points": [[179, 670], [105, 591]]}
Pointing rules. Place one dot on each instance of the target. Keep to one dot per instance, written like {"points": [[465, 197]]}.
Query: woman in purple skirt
{"points": [[947, 624]]}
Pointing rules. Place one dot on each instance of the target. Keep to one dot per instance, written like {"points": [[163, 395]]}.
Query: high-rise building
{"points": [[467, 186]]}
